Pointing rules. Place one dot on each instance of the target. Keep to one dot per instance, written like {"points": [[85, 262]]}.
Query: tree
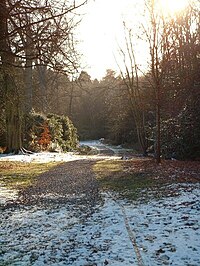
{"points": [[32, 33], [157, 35], [182, 83], [134, 89], [173, 44], [9, 86]]}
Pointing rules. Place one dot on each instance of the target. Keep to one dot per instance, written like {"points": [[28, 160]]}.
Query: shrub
{"points": [[51, 132], [45, 139], [180, 136], [63, 132], [34, 123]]}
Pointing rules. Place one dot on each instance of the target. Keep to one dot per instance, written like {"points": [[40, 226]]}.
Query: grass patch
{"points": [[17, 175], [107, 168], [143, 179], [115, 175]]}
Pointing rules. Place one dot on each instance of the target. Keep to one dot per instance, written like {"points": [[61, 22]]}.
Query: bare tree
{"points": [[133, 87], [157, 35], [173, 45]]}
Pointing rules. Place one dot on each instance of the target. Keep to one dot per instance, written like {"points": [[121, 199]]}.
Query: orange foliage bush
{"points": [[45, 139], [2, 149]]}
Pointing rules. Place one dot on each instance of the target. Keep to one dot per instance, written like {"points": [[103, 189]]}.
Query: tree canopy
{"points": [[153, 111]]}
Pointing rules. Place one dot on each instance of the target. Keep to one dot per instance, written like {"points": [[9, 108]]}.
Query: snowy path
{"points": [[68, 230], [168, 230], [61, 237], [167, 233]]}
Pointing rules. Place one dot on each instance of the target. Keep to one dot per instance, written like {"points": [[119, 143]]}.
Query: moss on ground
{"points": [[18, 175]]}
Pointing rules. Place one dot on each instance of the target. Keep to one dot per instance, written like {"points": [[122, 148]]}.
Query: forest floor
{"points": [[75, 210]]}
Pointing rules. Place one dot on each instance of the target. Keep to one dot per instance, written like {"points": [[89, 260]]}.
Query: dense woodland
{"points": [[42, 91]]}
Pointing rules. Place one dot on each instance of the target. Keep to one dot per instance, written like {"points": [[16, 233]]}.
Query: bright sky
{"points": [[101, 32]]}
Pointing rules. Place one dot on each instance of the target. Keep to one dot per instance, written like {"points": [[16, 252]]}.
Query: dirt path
{"points": [[65, 218], [72, 182]]}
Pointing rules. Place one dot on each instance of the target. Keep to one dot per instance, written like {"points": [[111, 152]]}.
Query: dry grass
{"points": [[168, 170], [18, 174], [132, 178]]}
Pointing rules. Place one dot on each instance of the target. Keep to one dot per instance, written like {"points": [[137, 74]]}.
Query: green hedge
{"points": [[62, 132]]}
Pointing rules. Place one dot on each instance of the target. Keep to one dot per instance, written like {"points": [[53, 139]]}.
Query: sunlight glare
{"points": [[171, 7]]}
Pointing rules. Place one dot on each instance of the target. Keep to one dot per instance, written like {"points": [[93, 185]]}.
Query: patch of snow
{"points": [[167, 232], [7, 194], [60, 237], [46, 157], [91, 143]]}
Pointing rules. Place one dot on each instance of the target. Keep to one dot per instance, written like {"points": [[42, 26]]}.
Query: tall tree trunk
{"points": [[71, 100], [158, 126], [28, 86], [42, 76], [12, 108], [13, 116], [29, 51]]}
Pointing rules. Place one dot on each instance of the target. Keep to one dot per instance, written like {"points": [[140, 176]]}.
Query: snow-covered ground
{"points": [[98, 144], [166, 232], [91, 143], [117, 232], [42, 157], [45, 157]]}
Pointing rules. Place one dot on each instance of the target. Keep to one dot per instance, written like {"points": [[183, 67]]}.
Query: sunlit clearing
{"points": [[170, 7]]}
